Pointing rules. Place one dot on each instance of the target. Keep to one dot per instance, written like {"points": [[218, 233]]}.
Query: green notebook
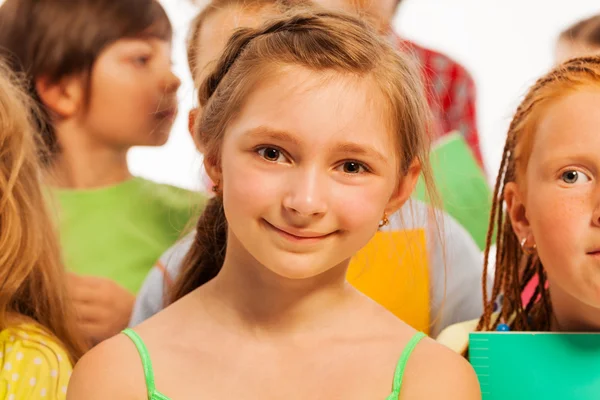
{"points": [[461, 184], [527, 365]]}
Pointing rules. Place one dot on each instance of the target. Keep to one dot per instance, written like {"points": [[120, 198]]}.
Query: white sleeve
{"points": [[455, 264], [150, 298]]}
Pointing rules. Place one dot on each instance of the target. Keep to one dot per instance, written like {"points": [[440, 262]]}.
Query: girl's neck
{"points": [[259, 301], [86, 164], [571, 315]]}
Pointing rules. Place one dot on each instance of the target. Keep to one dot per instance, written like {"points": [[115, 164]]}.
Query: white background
{"points": [[505, 44]]}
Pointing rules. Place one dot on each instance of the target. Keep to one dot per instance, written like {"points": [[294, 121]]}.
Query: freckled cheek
{"points": [[558, 223]]}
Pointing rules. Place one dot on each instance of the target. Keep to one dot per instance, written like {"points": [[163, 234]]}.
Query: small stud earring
{"points": [[529, 250], [384, 221], [215, 187]]}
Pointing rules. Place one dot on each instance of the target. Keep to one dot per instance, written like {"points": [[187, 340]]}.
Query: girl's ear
{"points": [[193, 116], [405, 188], [63, 98], [213, 170], [517, 212]]}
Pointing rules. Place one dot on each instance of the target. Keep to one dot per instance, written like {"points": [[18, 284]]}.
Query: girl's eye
{"points": [[571, 177], [271, 154], [141, 60], [353, 167]]}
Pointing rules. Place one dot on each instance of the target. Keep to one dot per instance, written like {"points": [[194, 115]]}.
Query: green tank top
{"points": [[154, 394]]}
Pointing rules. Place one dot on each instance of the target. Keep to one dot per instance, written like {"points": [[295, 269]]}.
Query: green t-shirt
{"points": [[120, 231]]}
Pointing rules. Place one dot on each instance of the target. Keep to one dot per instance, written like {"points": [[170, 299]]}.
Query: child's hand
{"points": [[103, 307]]}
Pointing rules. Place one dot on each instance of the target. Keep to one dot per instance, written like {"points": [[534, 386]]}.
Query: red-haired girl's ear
{"points": [[515, 206]]}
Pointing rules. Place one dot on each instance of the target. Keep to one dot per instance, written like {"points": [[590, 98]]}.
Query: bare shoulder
{"points": [[433, 371], [436, 372], [111, 370]]}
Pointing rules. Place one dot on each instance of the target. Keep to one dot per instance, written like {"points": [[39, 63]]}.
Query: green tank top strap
{"points": [[401, 367], [153, 394]]}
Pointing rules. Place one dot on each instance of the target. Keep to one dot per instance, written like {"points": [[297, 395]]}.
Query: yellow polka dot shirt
{"points": [[34, 366]]}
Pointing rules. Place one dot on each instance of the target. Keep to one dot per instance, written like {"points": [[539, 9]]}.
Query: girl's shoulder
{"points": [[122, 367], [435, 371], [422, 361], [111, 370], [34, 364]]}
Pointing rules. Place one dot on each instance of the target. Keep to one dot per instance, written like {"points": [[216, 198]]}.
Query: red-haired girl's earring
{"points": [[529, 250], [384, 221]]}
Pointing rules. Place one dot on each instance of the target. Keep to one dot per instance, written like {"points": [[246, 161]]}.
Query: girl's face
{"points": [[556, 205], [308, 170], [133, 94]]}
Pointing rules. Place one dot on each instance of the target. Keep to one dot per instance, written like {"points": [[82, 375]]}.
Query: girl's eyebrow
{"points": [[263, 132], [360, 150]]}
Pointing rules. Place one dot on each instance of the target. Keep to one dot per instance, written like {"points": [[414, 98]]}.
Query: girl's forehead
{"points": [[319, 109], [568, 127]]}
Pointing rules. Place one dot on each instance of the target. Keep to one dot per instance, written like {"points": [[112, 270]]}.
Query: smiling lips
{"points": [[301, 236]]}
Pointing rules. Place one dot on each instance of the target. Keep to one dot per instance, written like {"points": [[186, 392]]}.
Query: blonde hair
{"points": [[515, 268], [323, 42], [32, 280]]}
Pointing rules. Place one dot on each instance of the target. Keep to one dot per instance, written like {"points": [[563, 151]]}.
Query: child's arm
{"points": [[103, 306], [151, 297]]}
